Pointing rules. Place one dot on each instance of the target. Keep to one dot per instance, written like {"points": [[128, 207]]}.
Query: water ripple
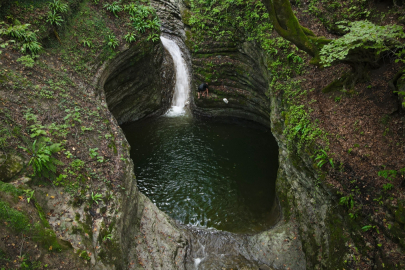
{"points": [[205, 173]]}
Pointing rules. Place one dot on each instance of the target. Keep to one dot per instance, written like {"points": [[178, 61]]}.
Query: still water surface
{"points": [[204, 173]]}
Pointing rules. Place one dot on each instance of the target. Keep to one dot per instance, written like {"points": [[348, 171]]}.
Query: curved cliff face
{"points": [[138, 83], [237, 72]]}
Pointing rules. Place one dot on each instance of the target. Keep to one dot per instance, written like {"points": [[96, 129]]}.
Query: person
{"points": [[203, 88]]}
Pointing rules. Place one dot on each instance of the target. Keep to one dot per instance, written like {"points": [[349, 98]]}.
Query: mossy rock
{"points": [[10, 166]]}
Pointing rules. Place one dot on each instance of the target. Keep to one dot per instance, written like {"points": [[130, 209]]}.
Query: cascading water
{"points": [[181, 89]]}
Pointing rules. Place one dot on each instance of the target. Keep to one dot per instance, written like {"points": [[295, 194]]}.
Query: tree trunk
{"points": [[287, 26]]}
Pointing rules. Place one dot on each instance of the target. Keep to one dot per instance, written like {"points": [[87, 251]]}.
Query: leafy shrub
{"points": [[26, 60], [130, 37], [114, 7], [96, 197], [362, 35], [388, 174], [58, 6], [347, 201], [27, 39], [42, 161], [139, 24], [323, 158], [87, 43], [112, 41], [54, 18], [388, 186]]}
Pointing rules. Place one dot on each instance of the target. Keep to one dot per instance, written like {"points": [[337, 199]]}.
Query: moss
{"points": [[11, 167], [13, 218], [187, 3], [111, 252], [185, 16], [10, 189], [44, 234]]}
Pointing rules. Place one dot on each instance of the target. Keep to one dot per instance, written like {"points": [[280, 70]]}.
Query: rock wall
{"points": [[137, 83], [237, 72]]}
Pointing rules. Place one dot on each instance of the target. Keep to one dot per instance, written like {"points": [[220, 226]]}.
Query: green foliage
{"points": [[93, 152], [77, 164], [58, 6], [42, 161], [362, 36], [5, 134], [27, 60], [12, 218], [130, 37], [10, 189], [370, 227], [54, 18], [153, 37], [112, 41], [29, 193], [26, 39], [388, 186], [388, 174], [107, 237], [143, 18], [87, 43], [323, 158], [96, 197], [347, 201], [113, 7], [299, 126]]}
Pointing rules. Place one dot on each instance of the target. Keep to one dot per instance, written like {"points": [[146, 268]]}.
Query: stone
{"points": [[10, 166]]}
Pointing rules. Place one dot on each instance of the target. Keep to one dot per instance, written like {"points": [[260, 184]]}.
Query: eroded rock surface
{"points": [[10, 165], [138, 83]]}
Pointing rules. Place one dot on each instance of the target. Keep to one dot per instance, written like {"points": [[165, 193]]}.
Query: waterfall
{"points": [[181, 89]]}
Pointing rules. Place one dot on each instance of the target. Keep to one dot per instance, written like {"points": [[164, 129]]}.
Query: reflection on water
{"points": [[208, 174]]}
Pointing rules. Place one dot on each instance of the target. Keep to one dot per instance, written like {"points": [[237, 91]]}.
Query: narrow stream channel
{"points": [[205, 173]]}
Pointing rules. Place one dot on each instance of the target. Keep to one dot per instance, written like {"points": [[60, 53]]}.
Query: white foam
{"points": [[181, 89], [197, 261], [175, 111]]}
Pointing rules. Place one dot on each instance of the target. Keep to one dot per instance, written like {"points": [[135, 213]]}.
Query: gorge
{"points": [[110, 70]]}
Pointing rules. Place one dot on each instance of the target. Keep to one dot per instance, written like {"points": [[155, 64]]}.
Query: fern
{"points": [[42, 161]]}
